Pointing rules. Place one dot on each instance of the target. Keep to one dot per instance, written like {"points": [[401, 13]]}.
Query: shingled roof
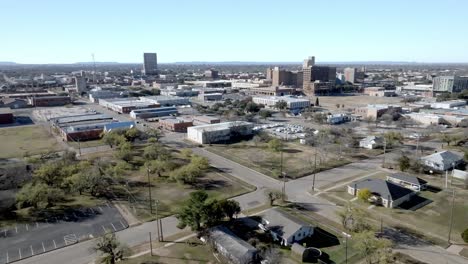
{"points": [[382, 188]]}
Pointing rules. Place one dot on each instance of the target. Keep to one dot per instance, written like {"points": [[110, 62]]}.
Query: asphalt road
{"points": [[25, 240]]}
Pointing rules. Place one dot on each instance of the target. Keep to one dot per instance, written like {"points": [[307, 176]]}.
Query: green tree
{"points": [[273, 195], [252, 107], [110, 248], [375, 250], [158, 166], [281, 105], [38, 195], [113, 139], [404, 163], [464, 235], [200, 162], [364, 195], [197, 213], [353, 218], [265, 114], [317, 103], [50, 173], [229, 208], [154, 133], [156, 151], [132, 134], [124, 152], [275, 145]]}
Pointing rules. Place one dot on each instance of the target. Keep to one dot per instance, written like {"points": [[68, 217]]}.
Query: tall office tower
{"points": [[349, 74], [269, 73], [150, 63], [451, 84], [309, 62], [280, 77], [80, 84]]}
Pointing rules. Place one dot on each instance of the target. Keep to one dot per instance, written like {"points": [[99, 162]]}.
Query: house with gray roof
{"points": [[285, 228], [441, 161], [384, 193], [407, 181], [371, 142], [236, 250]]}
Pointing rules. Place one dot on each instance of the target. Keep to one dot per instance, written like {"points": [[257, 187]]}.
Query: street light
{"points": [[346, 235]]}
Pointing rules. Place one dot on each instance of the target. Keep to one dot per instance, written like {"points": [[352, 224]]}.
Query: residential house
{"points": [[384, 193], [407, 181], [441, 161], [236, 250], [371, 142], [285, 228]]}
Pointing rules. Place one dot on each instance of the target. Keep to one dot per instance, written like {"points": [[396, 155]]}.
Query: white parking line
{"points": [[37, 224], [16, 228], [43, 247], [108, 205], [32, 251], [92, 210], [7, 258], [75, 215], [100, 209], [27, 227], [115, 229], [55, 245], [19, 250], [105, 230], [122, 223]]}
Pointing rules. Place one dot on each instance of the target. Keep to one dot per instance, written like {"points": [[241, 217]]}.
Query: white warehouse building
{"points": [[211, 133], [166, 100], [292, 102]]}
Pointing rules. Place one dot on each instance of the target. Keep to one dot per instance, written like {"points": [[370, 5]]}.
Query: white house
{"points": [[441, 161], [285, 228], [407, 181], [384, 193], [371, 142]]}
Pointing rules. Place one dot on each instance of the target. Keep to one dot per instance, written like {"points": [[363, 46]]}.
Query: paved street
{"points": [[297, 191], [26, 240]]}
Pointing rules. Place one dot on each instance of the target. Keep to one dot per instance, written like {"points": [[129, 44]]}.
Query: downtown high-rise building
{"points": [[150, 63], [450, 84], [317, 79]]}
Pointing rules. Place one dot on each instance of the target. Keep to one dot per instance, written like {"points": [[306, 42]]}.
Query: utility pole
{"points": [[157, 224], [149, 190], [451, 216], [151, 244], [79, 146], [384, 151], [346, 235], [315, 169]]}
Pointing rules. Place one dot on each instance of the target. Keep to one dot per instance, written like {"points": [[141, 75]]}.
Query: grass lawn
{"points": [[327, 238], [431, 220], [298, 160], [30, 140], [171, 195], [190, 251], [87, 144]]}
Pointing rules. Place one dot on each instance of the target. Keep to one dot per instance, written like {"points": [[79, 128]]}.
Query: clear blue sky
{"points": [[63, 31]]}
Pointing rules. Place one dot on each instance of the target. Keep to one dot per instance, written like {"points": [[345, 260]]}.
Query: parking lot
{"points": [[25, 240]]}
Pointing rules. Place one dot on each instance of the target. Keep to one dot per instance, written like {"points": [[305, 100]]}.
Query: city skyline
{"points": [[341, 31]]}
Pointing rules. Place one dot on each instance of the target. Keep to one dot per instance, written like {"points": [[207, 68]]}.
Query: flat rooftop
{"points": [[80, 118], [5, 111], [284, 98], [221, 126]]}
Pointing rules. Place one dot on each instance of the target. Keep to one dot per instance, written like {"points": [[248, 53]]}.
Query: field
{"points": [[355, 101], [171, 195], [26, 140], [431, 219], [298, 160], [189, 251]]}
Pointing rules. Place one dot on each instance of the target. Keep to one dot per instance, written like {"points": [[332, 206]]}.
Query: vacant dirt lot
{"points": [[18, 141]]}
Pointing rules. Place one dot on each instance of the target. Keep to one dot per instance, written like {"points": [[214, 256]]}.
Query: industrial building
{"points": [[6, 116], [153, 112], [49, 100], [379, 92], [206, 119], [95, 96], [165, 100], [210, 96], [293, 103], [81, 127], [126, 105], [175, 124], [375, 111], [449, 104], [212, 133]]}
